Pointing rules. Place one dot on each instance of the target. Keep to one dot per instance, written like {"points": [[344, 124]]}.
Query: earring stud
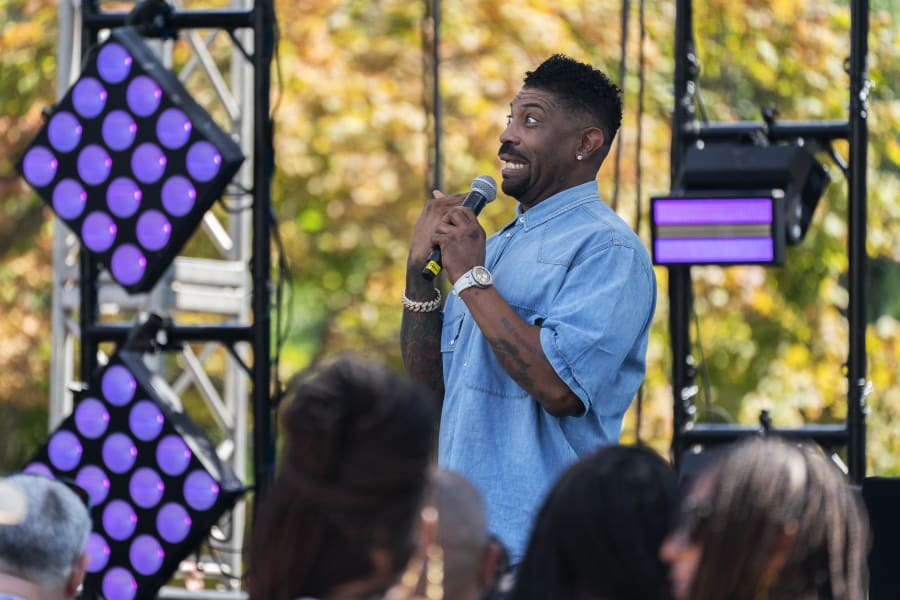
{"points": [[578, 157]]}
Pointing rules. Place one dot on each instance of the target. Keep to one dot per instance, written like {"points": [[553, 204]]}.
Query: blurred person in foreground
{"points": [[598, 534], [339, 520], [542, 343], [44, 527], [769, 520], [457, 558]]}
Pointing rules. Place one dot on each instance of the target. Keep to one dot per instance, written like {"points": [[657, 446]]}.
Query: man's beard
{"points": [[514, 189]]}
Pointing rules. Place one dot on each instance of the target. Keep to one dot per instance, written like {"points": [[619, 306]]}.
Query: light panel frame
{"points": [[76, 158], [101, 447], [718, 228]]}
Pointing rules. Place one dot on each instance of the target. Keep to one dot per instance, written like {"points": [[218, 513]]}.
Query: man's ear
{"points": [[592, 141], [76, 576]]}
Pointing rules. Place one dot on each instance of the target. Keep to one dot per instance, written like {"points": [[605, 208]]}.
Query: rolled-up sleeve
{"points": [[595, 335]]}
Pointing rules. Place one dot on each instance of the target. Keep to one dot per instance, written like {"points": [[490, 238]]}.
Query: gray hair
{"points": [[43, 547]]}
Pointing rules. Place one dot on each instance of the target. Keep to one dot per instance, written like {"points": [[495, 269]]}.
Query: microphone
{"points": [[484, 190]]}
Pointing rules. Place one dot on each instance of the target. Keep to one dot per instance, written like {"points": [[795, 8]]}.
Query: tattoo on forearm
{"points": [[421, 349], [515, 365], [519, 339]]}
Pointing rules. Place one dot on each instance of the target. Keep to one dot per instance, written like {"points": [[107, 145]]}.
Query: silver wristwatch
{"points": [[474, 277]]}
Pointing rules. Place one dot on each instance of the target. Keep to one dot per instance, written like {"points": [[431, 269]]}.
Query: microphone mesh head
{"points": [[486, 186]]}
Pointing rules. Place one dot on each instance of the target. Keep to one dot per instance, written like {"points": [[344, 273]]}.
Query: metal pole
{"points": [[856, 359], [88, 285], [437, 104], [263, 45], [680, 296]]}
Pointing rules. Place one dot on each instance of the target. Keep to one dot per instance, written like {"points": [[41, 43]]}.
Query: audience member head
{"points": [[598, 533], [42, 548], [769, 519], [338, 521], [454, 543]]}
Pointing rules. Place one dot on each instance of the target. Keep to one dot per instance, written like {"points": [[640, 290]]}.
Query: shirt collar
{"points": [[557, 204]]}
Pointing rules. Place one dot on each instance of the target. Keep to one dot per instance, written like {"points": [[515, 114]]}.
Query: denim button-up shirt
{"points": [[576, 269]]}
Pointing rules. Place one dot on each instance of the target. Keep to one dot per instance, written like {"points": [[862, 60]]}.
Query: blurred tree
{"points": [[27, 81]]}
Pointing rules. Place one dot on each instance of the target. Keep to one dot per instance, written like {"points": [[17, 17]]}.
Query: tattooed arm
{"points": [[420, 336], [420, 332], [518, 346], [515, 343]]}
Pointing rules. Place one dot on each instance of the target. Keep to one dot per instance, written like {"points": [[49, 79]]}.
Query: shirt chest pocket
{"points": [[470, 361], [450, 331]]}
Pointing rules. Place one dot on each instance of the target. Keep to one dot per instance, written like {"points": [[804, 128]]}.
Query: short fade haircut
{"points": [[44, 546], [582, 88]]}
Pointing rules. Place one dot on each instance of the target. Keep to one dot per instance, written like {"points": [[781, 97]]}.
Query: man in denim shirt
{"points": [[542, 343]]}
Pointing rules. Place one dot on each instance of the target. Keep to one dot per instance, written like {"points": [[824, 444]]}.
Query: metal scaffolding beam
{"points": [[219, 305], [686, 129]]}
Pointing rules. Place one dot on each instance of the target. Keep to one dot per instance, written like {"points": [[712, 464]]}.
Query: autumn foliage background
{"points": [[352, 141]]}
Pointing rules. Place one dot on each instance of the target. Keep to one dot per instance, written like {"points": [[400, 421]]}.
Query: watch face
{"points": [[481, 276]]}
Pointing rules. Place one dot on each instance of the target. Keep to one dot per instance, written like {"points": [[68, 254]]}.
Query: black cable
{"points": [[276, 55], [704, 368], [639, 408], [284, 314], [838, 160], [623, 72]]}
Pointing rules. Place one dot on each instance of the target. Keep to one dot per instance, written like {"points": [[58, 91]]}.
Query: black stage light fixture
{"points": [[155, 484], [737, 204], [129, 161]]}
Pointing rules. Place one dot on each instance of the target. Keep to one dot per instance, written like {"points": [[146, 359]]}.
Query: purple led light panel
{"points": [[94, 164], [93, 479], [128, 264], [203, 161], [148, 163], [128, 138], [65, 450], [119, 130], [713, 250], [119, 584], [114, 63], [173, 128], [69, 199], [712, 211], [144, 96], [118, 385], [64, 131], [146, 420], [98, 231], [151, 498], [146, 554], [178, 196], [146, 487], [89, 97], [153, 230], [39, 166], [98, 553], [123, 197], [200, 490], [173, 522], [119, 453], [119, 520], [91, 418], [173, 455]]}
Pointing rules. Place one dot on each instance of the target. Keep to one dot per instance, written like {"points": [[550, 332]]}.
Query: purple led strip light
{"points": [[713, 250], [712, 211]]}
